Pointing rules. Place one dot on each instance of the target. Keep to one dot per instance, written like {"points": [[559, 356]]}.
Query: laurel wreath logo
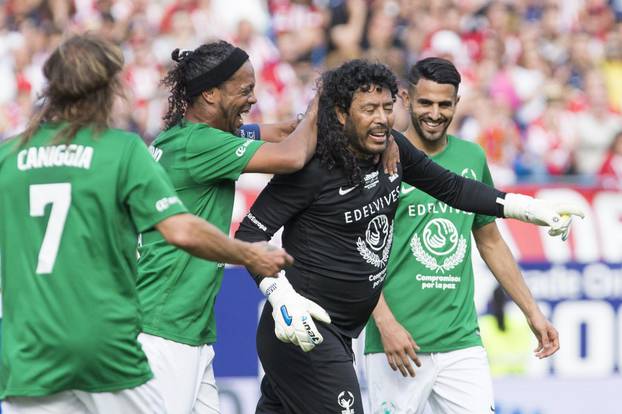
{"points": [[430, 262], [373, 258]]}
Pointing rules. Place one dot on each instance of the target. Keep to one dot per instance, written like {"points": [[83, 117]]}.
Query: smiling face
{"points": [[432, 108], [236, 97], [368, 122]]}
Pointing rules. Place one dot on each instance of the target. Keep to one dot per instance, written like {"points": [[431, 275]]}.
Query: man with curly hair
{"points": [[337, 214], [426, 312]]}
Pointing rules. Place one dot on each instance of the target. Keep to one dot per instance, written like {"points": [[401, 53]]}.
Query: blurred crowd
{"points": [[542, 79]]}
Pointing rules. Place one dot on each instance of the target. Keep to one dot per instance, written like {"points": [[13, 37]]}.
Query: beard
{"points": [[352, 139], [357, 143], [426, 136]]}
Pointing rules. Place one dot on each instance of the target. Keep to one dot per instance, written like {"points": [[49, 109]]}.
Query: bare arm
{"points": [[202, 239], [291, 154], [278, 131], [499, 259], [397, 342]]}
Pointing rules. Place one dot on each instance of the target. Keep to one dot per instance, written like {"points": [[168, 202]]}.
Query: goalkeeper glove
{"points": [[293, 313], [541, 212]]}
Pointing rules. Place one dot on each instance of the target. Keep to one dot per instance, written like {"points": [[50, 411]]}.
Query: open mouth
{"points": [[378, 135], [241, 114], [433, 126]]}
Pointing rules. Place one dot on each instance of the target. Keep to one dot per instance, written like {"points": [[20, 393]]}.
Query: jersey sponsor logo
{"points": [[378, 278], [376, 233], [377, 244], [242, 148], [156, 153], [371, 180], [344, 191], [438, 282], [441, 239], [372, 208], [164, 203], [346, 401], [435, 207], [72, 155], [256, 222]]}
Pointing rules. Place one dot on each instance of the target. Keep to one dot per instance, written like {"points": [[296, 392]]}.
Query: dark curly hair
{"points": [[338, 87], [190, 64]]}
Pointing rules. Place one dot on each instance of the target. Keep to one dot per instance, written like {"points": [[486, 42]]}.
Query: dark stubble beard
{"points": [[354, 142], [424, 135]]}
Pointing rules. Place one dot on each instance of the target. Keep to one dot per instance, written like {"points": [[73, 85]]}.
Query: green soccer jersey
{"points": [[177, 291], [429, 286], [70, 215]]}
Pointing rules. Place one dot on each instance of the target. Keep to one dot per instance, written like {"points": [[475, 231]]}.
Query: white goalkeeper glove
{"points": [[293, 313], [557, 216]]}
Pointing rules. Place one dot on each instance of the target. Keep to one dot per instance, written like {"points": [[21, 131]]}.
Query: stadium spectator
{"points": [[290, 41], [594, 125], [433, 323], [610, 173], [547, 143], [70, 308]]}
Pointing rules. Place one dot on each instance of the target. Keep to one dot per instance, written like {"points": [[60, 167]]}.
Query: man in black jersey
{"points": [[338, 216]]}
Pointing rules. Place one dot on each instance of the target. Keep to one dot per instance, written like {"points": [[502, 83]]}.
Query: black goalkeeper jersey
{"points": [[340, 234]]}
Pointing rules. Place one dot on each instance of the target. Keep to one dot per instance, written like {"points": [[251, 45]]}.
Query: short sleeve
{"points": [[482, 219], [214, 155], [146, 189]]}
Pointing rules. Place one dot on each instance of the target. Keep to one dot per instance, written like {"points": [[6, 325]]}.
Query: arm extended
{"points": [[202, 239], [292, 153], [471, 195]]}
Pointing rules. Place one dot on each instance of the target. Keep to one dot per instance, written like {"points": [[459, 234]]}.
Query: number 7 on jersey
{"points": [[40, 196]]}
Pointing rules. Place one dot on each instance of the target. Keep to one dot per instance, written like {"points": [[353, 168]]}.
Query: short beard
{"points": [[424, 135], [353, 141]]}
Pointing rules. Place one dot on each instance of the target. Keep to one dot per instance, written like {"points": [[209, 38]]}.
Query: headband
{"points": [[218, 74]]}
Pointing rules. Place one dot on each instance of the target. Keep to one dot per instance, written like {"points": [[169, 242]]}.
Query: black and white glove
{"points": [[558, 216], [293, 314]]}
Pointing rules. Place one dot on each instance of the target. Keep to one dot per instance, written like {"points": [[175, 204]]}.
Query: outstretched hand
{"points": [[565, 212], [558, 216]]}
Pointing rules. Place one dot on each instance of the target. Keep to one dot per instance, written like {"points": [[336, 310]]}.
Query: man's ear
{"points": [[403, 95], [342, 116], [211, 95]]}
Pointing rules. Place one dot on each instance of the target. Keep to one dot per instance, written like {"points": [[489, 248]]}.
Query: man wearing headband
{"points": [[210, 89]]}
